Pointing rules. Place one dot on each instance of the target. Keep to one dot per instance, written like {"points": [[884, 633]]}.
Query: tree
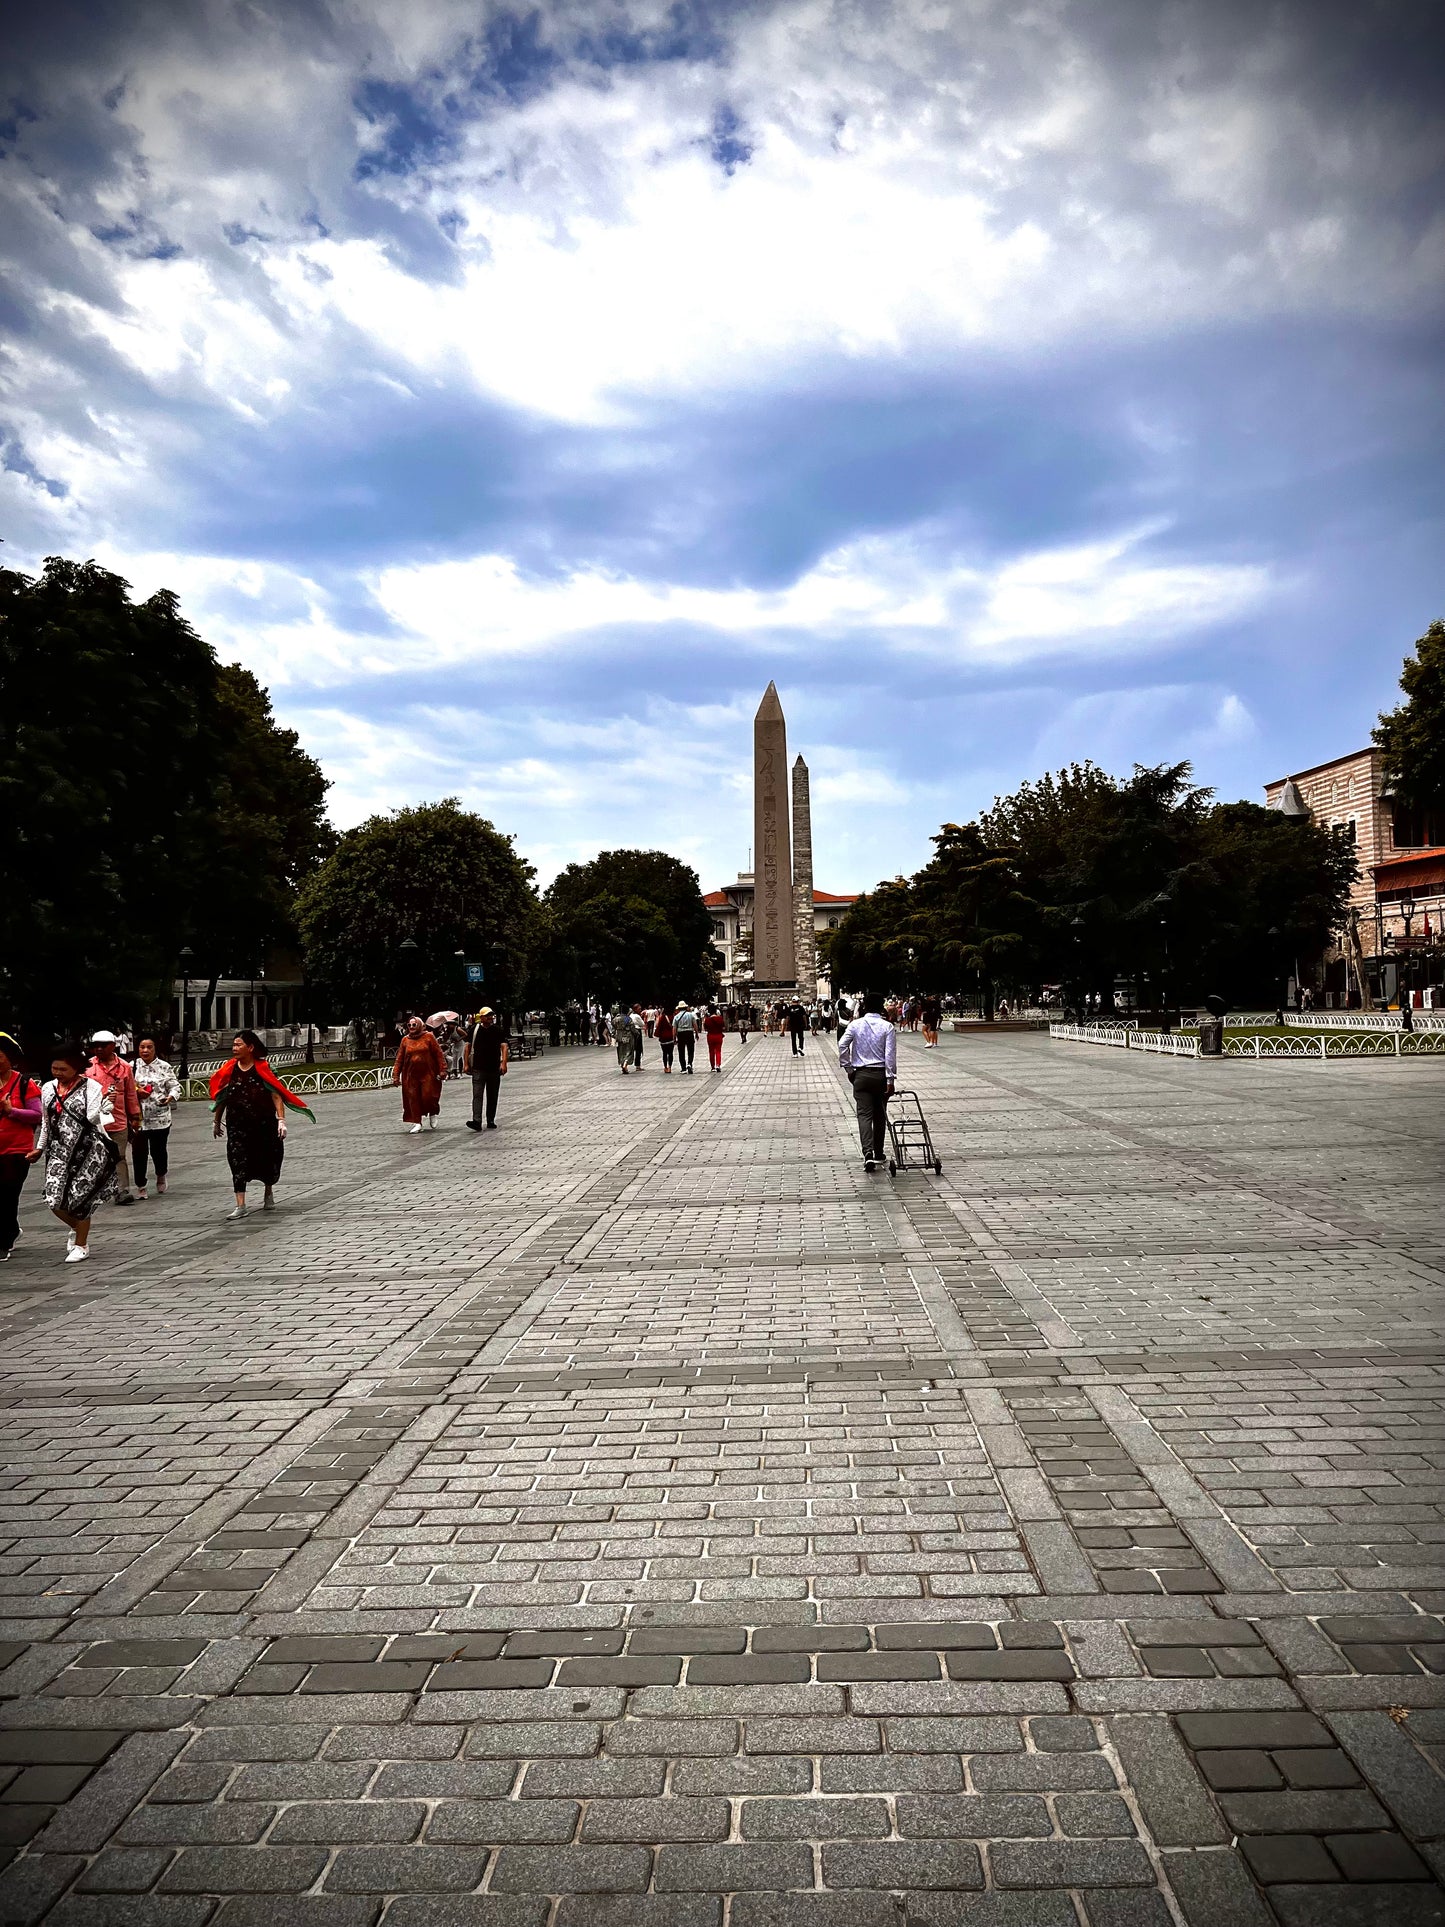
{"points": [[148, 798], [271, 832], [1081, 879], [436, 876], [630, 925], [1413, 735]]}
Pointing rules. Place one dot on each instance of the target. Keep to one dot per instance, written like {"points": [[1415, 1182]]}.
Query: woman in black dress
{"points": [[250, 1110]]}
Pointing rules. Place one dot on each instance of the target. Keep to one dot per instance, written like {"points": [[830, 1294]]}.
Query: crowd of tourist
{"points": [[100, 1123]]}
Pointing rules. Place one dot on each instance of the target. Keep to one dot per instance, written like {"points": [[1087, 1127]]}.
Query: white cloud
{"points": [[1084, 601]]}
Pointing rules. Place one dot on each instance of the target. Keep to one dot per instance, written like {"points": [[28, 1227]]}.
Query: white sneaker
{"points": [[78, 1256], [415, 1131], [431, 1123], [268, 1203], [239, 1212]]}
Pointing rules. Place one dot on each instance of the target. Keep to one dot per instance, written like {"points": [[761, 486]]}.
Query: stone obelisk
{"points": [[805, 941], [773, 966]]}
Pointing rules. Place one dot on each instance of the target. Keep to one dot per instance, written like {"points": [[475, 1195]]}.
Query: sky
{"points": [[517, 390]]}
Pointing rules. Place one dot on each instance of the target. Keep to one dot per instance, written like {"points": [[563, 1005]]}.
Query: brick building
{"points": [[732, 919], [1397, 905]]}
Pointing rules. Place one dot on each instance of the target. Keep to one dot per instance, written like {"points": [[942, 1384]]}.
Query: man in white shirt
{"points": [[868, 1052]]}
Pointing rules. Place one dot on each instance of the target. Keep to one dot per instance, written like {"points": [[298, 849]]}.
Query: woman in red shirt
{"points": [[19, 1121], [714, 1026]]}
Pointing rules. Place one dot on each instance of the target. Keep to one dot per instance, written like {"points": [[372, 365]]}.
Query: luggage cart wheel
{"points": [[892, 1168], [938, 1167]]}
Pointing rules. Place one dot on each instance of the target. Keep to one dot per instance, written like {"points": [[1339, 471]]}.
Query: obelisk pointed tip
{"points": [[798, 763], [770, 709]]}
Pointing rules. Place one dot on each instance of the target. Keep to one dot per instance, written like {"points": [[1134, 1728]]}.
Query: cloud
{"points": [[517, 389]]}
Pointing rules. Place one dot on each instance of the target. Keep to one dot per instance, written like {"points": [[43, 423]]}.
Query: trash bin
{"points": [[1211, 1037]]}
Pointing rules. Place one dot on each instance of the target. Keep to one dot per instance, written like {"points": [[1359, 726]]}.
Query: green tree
{"points": [[1081, 879], [631, 926], [435, 876], [148, 798], [1413, 735], [271, 831]]}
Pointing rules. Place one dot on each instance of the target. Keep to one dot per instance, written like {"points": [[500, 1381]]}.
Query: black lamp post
{"points": [[407, 949], [1405, 971], [186, 958], [1273, 935]]}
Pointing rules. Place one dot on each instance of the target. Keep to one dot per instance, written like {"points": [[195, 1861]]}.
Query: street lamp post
{"points": [[407, 950], [186, 957], [1274, 964], [1404, 971]]}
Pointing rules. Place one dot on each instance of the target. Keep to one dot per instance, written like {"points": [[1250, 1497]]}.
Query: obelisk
{"points": [[805, 941], [773, 966]]}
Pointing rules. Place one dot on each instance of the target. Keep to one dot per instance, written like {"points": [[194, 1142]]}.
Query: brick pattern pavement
{"points": [[642, 1516]]}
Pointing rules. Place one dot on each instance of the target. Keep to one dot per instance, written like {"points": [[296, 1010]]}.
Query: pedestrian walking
{"points": [[639, 1032], [714, 1025], [77, 1144], [19, 1121], [159, 1091], [931, 1016], [684, 1022], [420, 1069], [485, 1062], [665, 1032], [797, 1026], [115, 1078], [249, 1103], [868, 1052], [622, 1037]]}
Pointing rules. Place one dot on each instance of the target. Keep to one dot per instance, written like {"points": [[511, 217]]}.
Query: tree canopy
{"points": [[1080, 879], [149, 801], [1413, 735], [436, 876], [630, 925]]}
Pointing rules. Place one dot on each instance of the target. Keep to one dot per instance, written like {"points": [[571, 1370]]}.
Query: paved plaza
{"points": [[642, 1515]]}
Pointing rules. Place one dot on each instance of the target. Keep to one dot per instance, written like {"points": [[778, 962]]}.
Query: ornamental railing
{"points": [[310, 1083], [1115, 1034], [1165, 1043], [1325, 1044]]}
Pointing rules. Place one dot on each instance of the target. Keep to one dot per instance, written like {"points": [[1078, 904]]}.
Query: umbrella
{"points": [[444, 1017]]}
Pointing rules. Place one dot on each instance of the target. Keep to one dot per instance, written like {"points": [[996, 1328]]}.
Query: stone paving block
{"points": [[571, 1870], [492, 1822], [813, 1910], [902, 1863], [647, 1910], [406, 1869], [305, 1910], [750, 1867], [1355, 1904], [1175, 1803], [243, 1870], [973, 1816], [466, 1910], [1395, 1770]]}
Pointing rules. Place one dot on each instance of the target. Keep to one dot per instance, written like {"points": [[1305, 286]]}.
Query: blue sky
{"points": [[518, 390]]}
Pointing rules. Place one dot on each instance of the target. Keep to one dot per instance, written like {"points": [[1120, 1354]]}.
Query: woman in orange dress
{"points": [[419, 1069]]}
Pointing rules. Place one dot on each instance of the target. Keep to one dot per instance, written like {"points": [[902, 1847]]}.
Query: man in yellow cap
{"points": [[485, 1058]]}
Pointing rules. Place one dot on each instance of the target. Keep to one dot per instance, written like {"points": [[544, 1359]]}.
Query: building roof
{"points": [[1318, 769], [720, 900]]}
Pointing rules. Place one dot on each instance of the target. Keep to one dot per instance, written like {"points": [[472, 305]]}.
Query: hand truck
{"points": [[908, 1133]]}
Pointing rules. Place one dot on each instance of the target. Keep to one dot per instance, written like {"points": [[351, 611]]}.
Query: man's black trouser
{"points": [[797, 1037], [152, 1144], [637, 1048], [870, 1094], [14, 1170], [685, 1042], [485, 1085]]}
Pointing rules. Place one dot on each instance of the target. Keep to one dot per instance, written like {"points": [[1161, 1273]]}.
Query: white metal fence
{"points": [[1172, 1043], [1320, 1046], [1328, 1020]]}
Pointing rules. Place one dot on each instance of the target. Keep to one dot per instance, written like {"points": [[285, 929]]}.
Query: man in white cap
{"points": [[485, 1058], [117, 1082]]}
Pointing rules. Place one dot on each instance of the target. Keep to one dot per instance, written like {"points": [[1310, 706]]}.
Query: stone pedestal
{"points": [[773, 958], [805, 940]]}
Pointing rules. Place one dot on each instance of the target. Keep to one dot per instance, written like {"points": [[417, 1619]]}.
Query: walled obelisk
{"points": [[805, 941], [773, 966]]}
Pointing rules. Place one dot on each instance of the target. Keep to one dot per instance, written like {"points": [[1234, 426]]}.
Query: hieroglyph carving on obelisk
{"points": [[773, 965], [805, 940]]}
